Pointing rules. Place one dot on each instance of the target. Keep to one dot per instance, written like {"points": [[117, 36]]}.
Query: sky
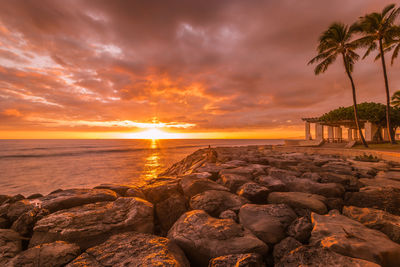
{"points": [[176, 68]]}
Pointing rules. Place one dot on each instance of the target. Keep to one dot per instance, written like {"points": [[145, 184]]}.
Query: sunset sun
{"points": [[154, 134]]}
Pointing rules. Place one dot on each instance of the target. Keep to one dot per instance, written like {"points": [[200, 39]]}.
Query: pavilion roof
{"points": [[344, 123]]}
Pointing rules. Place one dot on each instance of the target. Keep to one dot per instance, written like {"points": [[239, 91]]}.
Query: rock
{"points": [[212, 168], [229, 214], [14, 199], [75, 197], [300, 229], [299, 200], [232, 181], [381, 165], [267, 222], [337, 167], [239, 260], [273, 184], [236, 163], [92, 224], [382, 198], [135, 192], [16, 209], [283, 175], [10, 245], [54, 254], [393, 175], [317, 256], [313, 176], [55, 191], [350, 238], [284, 247], [117, 188], [192, 185], [323, 189], [385, 222], [161, 189], [254, 192], [349, 182], [282, 163], [35, 196], [381, 182], [334, 203], [214, 202], [249, 171], [4, 223], [169, 210], [24, 224], [133, 249], [203, 237], [4, 198]]}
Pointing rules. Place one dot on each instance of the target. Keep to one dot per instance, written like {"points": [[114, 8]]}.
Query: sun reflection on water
{"points": [[152, 162]]}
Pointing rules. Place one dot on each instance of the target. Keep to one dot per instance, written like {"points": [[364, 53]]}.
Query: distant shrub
{"points": [[366, 158]]}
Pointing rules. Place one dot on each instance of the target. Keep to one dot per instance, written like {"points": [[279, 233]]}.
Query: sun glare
{"points": [[155, 134]]}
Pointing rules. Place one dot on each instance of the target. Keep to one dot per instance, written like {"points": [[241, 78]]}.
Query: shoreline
{"points": [[260, 205]]}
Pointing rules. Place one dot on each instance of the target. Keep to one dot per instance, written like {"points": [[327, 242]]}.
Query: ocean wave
{"points": [[98, 151]]}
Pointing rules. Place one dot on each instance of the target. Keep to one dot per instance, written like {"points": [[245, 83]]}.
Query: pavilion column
{"points": [[370, 131], [330, 134], [355, 134], [338, 133], [385, 134], [349, 134], [307, 129], [319, 131]]}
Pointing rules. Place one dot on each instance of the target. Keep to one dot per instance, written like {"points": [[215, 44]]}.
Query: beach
{"points": [[225, 206]]}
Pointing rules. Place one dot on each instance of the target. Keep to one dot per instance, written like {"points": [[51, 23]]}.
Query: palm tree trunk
{"points": [[388, 124], [354, 101]]}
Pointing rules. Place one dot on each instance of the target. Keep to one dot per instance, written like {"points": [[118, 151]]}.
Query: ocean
{"points": [[42, 166]]}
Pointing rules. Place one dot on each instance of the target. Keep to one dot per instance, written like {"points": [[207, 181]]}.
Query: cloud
{"points": [[222, 65]]}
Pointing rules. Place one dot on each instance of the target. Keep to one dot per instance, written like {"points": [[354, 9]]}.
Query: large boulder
{"points": [[169, 210], [232, 181], [350, 182], [380, 182], [160, 189], [285, 246], [249, 171], [54, 254], [300, 229], [299, 200], [10, 245], [193, 185], [351, 238], [318, 256], [12, 211], [267, 222], [283, 175], [24, 224], [117, 188], [272, 183], [382, 198], [75, 197], [214, 202], [92, 224], [254, 192], [203, 237], [133, 249], [239, 260], [383, 221], [323, 189]]}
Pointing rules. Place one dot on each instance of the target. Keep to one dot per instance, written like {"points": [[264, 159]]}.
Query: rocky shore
{"points": [[237, 206]]}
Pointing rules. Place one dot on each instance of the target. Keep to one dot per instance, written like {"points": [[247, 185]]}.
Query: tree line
{"points": [[375, 31]]}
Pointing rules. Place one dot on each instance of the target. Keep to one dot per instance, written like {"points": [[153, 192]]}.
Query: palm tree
{"points": [[396, 99], [334, 42], [378, 28]]}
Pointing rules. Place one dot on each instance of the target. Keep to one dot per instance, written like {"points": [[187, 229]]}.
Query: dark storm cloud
{"points": [[217, 64]]}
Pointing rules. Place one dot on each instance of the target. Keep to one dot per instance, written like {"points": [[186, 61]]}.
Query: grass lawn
{"points": [[380, 147]]}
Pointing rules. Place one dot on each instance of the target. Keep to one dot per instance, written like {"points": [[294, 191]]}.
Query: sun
{"points": [[154, 134]]}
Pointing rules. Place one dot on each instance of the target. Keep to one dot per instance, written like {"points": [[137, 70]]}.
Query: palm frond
{"points": [[371, 48], [387, 8], [395, 53], [323, 66]]}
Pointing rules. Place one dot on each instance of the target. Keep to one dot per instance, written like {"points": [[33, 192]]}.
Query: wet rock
{"points": [[229, 214], [273, 184], [284, 247], [75, 197], [214, 202], [192, 185], [10, 245], [35, 196], [351, 238], [24, 224], [239, 260], [232, 181], [133, 249], [299, 200], [169, 210], [323, 189], [119, 189], [161, 189], [267, 222], [92, 224], [54, 254], [254, 192], [300, 229], [318, 256], [382, 198], [385, 222], [203, 237], [135, 192]]}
